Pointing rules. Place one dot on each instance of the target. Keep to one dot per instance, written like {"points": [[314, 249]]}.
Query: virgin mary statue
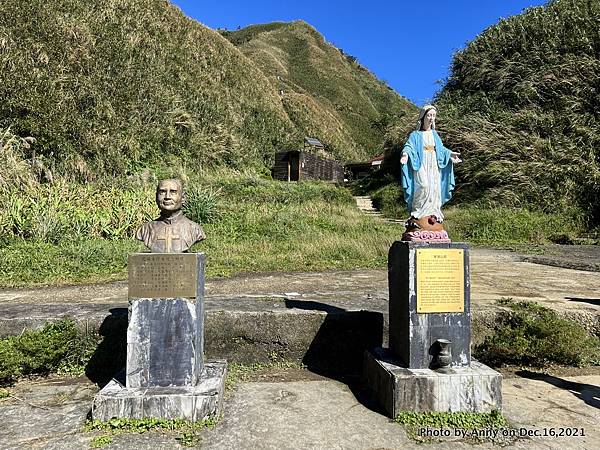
{"points": [[427, 174]]}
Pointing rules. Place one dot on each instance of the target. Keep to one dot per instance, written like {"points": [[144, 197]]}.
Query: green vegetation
{"points": [[57, 347], [64, 347], [189, 436], [37, 263], [456, 420], [147, 424], [252, 224], [504, 226], [521, 105], [389, 199], [4, 393], [238, 373], [100, 441], [527, 335], [66, 232], [327, 93]]}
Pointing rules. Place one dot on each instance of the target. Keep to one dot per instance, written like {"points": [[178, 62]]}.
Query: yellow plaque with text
{"points": [[440, 280]]}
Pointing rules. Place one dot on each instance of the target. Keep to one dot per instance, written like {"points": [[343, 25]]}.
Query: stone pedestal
{"points": [[191, 403], [166, 376], [472, 388], [164, 342], [430, 310], [413, 333]]}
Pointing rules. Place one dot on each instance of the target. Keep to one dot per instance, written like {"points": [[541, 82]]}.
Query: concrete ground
{"points": [[305, 412], [308, 410], [494, 274]]}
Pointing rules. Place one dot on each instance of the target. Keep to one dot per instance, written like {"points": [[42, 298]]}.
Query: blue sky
{"points": [[409, 44]]}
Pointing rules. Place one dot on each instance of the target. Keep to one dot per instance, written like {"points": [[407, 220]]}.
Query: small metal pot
{"points": [[444, 356]]}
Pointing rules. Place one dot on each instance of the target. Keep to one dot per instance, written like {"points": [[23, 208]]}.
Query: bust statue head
{"points": [[169, 196], [172, 232]]}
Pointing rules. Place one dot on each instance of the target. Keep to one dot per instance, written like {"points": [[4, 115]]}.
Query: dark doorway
{"points": [[293, 166]]}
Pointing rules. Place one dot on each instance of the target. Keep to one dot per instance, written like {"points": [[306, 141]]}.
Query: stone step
{"points": [[365, 204]]}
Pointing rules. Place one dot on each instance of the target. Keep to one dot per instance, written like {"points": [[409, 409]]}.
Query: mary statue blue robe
{"points": [[428, 177]]}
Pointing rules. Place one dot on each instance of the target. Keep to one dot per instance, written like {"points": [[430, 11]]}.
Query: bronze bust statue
{"points": [[172, 232]]}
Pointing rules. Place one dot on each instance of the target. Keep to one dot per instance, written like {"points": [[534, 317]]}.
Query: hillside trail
{"points": [[365, 204]]}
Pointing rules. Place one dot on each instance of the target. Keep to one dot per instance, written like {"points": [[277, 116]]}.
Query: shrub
{"points": [[533, 335], [56, 345], [390, 201], [201, 205]]}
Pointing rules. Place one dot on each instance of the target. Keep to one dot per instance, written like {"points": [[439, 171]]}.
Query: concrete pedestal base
{"points": [[191, 403], [165, 342], [474, 388]]}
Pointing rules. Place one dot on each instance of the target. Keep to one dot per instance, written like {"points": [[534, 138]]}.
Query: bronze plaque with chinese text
{"points": [[163, 275]]}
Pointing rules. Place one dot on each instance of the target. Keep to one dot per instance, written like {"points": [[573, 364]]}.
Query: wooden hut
{"points": [[310, 163], [359, 170]]}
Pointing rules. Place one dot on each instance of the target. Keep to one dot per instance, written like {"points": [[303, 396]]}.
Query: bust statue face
{"points": [[169, 196]]}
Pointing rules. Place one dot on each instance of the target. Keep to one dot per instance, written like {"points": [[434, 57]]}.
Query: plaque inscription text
{"points": [[163, 275], [440, 280]]}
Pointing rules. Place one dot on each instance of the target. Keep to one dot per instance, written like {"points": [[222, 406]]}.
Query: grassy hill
{"points": [[113, 87], [326, 92], [522, 103]]}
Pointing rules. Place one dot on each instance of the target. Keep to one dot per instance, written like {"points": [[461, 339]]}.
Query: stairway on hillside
{"points": [[365, 204]]}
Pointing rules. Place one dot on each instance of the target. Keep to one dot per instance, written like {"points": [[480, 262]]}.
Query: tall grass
{"points": [[73, 233], [66, 210], [521, 105], [16, 170]]}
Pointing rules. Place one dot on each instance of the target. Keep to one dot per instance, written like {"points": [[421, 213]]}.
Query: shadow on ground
{"points": [[337, 350], [588, 393], [109, 357], [591, 301]]}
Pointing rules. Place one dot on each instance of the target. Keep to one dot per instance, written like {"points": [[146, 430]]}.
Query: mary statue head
{"points": [[427, 118]]}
